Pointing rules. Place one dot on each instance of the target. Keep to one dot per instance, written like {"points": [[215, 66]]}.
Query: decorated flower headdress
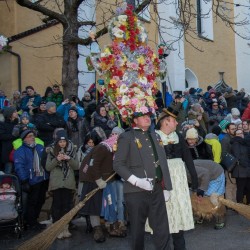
{"points": [[130, 67]]}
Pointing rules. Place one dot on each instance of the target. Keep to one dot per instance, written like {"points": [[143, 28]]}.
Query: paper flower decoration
{"points": [[130, 67], [3, 42]]}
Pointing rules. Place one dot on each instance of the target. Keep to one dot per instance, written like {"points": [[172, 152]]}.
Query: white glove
{"points": [[101, 183], [166, 195], [143, 183]]}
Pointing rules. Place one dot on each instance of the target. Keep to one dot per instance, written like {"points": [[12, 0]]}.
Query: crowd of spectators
{"points": [[212, 124]]}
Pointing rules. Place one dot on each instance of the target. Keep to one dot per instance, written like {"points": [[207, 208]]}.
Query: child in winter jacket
{"points": [[24, 124], [61, 163]]}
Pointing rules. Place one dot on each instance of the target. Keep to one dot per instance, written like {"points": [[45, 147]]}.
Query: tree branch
{"points": [[39, 8]]}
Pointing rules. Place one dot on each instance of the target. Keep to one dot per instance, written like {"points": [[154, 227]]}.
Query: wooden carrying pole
{"points": [[44, 240]]}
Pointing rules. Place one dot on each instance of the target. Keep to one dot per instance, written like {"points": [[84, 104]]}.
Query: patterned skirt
{"points": [[179, 208]]}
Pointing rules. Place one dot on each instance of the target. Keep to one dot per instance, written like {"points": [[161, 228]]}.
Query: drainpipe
{"points": [[18, 69]]}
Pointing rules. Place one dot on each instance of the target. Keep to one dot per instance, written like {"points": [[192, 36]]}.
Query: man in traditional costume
{"points": [[140, 160]]}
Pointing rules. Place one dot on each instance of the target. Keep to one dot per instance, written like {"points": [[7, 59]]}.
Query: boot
{"points": [[99, 236], [66, 233], [89, 227], [116, 230]]}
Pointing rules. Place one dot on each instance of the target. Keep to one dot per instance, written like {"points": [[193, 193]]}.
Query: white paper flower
{"points": [[3, 41], [123, 88], [117, 32], [125, 100], [122, 19], [143, 80]]}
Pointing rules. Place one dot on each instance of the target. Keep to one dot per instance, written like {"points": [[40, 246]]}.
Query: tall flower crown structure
{"points": [[130, 67]]}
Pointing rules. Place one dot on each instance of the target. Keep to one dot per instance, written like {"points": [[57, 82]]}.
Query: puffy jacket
{"points": [[63, 110], [23, 162]]}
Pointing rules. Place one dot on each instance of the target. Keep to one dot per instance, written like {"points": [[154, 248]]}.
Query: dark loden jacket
{"points": [[131, 160]]}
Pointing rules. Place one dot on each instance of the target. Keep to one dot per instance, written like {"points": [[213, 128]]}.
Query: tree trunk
{"points": [[70, 81]]}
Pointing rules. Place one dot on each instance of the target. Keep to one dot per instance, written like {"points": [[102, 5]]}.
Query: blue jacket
{"points": [[35, 100], [23, 161], [63, 110]]}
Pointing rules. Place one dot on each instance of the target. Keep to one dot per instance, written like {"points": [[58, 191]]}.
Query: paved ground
{"points": [[235, 236]]}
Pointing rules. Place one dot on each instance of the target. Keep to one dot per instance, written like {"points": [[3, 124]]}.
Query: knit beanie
{"points": [[117, 130], [25, 133], [50, 105], [235, 111], [8, 112], [24, 115], [61, 135], [196, 107], [192, 134], [74, 109], [87, 94], [223, 124]]}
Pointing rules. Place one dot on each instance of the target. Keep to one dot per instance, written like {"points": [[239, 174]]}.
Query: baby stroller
{"points": [[11, 204]]}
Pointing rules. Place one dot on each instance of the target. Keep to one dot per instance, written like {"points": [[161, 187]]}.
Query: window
{"points": [[205, 19], [145, 13]]}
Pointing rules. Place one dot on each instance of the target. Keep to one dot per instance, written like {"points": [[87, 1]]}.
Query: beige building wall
{"points": [[41, 61], [217, 56]]}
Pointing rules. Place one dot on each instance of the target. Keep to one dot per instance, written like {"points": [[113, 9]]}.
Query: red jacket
{"points": [[246, 113]]}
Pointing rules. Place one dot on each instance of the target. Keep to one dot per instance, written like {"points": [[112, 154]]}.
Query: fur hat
{"points": [[50, 105], [25, 115], [61, 135], [235, 111], [25, 133], [6, 180], [192, 134], [223, 124], [8, 112], [117, 130]]}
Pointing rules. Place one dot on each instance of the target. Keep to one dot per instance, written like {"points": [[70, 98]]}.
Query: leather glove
{"points": [[26, 186], [166, 195], [143, 183], [101, 183], [200, 192]]}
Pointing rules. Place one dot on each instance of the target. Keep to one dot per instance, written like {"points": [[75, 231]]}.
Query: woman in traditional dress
{"points": [[179, 207]]}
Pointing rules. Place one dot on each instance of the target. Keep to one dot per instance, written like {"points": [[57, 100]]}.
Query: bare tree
{"points": [[66, 13]]}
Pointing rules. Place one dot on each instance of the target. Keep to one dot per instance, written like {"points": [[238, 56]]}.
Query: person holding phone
{"points": [[67, 104]]}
